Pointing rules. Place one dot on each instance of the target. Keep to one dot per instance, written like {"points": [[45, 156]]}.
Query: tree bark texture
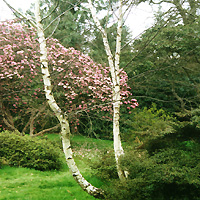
{"points": [[65, 129], [115, 75]]}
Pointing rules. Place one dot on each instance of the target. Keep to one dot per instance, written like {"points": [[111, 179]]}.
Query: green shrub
{"points": [[29, 152], [166, 168], [54, 139], [105, 166], [146, 124], [168, 174]]}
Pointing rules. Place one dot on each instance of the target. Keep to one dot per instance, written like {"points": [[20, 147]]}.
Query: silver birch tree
{"points": [[114, 61], [65, 129]]}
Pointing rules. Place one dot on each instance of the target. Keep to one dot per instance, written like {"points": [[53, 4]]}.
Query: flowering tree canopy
{"points": [[78, 82]]}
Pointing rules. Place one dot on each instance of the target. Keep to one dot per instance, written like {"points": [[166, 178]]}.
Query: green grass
{"points": [[30, 184], [83, 141]]}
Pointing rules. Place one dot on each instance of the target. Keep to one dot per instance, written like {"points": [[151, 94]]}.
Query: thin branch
{"points": [[129, 7], [147, 43], [160, 2], [54, 29], [179, 99], [162, 69], [161, 100], [20, 14], [146, 29], [61, 15], [51, 11], [91, 125], [46, 130]]}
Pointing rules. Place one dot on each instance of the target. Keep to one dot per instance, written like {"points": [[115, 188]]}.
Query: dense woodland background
{"points": [[161, 135]]}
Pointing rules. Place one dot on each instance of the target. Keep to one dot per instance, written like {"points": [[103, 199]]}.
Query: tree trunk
{"points": [[114, 70], [65, 129]]}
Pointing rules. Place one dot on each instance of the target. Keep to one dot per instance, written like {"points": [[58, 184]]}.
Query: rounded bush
{"points": [[29, 152]]}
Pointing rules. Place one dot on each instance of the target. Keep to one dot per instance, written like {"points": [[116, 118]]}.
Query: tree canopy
{"points": [[79, 83]]}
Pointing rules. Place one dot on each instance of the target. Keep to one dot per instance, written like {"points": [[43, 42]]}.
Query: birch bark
{"points": [[65, 129], [114, 70]]}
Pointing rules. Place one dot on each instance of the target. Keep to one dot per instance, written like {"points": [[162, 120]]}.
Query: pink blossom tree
{"points": [[78, 82]]}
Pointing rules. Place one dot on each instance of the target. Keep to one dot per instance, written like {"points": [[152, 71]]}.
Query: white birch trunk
{"points": [[65, 129], [114, 70]]}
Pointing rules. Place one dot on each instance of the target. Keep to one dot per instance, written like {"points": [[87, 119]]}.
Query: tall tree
{"points": [[114, 64], [187, 10], [65, 129], [168, 64]]}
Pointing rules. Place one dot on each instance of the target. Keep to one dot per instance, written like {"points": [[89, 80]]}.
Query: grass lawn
{"points": [[30, 184]]}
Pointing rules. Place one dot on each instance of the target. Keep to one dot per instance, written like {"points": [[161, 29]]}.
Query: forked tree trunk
{"points": [[65, 129], [114, 70]]}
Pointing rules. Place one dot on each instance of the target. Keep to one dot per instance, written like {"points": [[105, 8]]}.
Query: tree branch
{"points": [[20, 14], [46, 130], [51, 11], [9, 125], [60, 16]]}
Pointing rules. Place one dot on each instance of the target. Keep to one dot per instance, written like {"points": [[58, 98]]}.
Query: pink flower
{"points": [[133, 100]]}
